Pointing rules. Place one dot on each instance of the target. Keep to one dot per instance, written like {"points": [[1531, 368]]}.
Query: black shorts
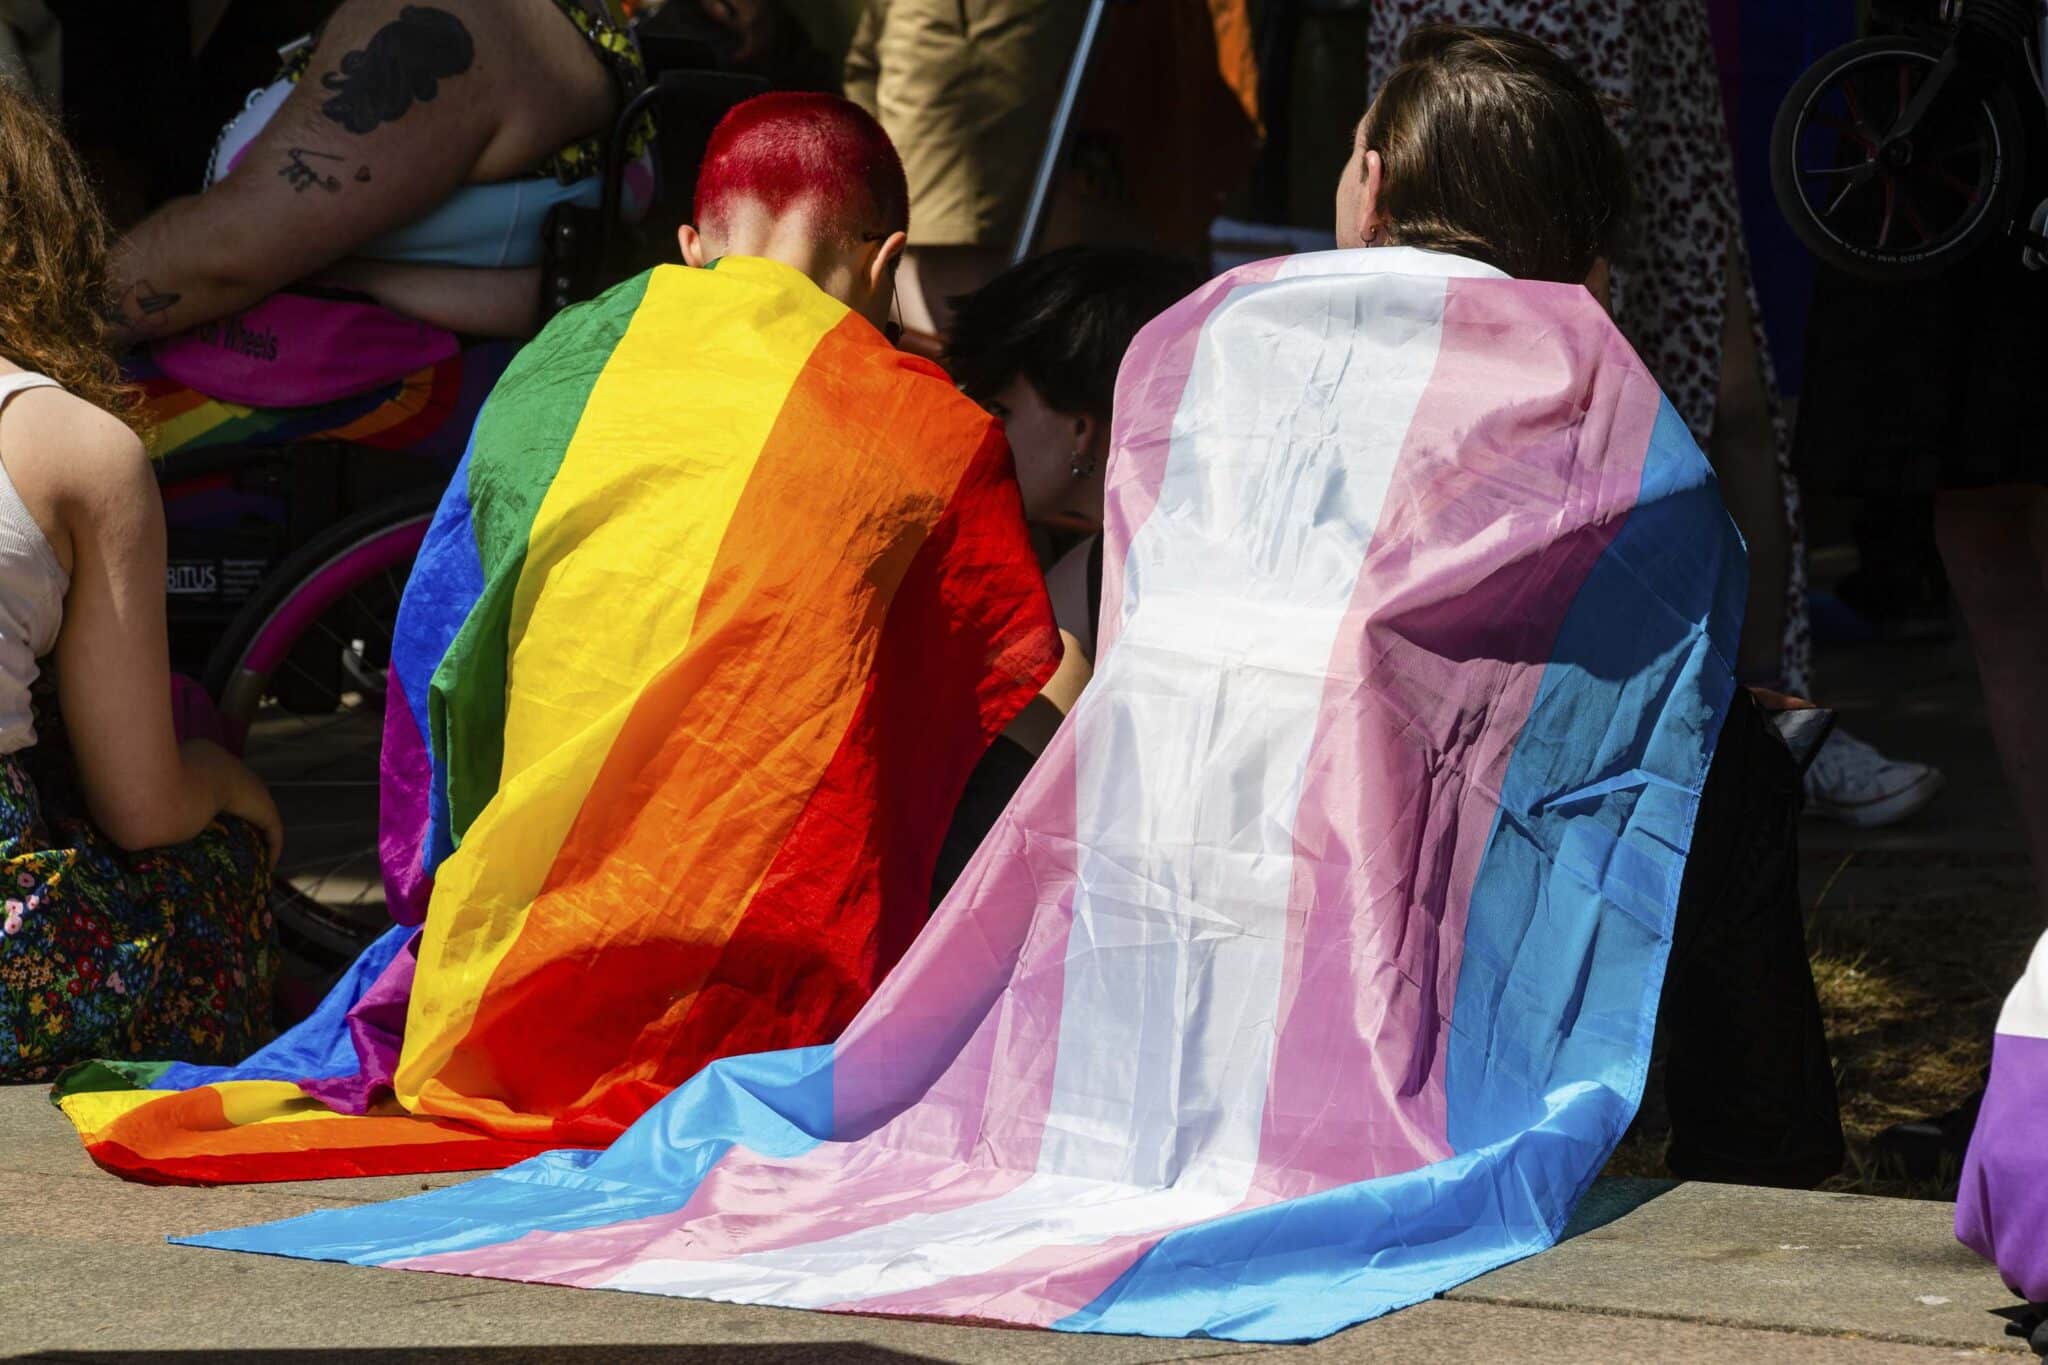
{"points": [[1935, 384]]}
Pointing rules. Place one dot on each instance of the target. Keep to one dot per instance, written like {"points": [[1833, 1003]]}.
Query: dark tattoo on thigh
{"points": [[405, 61]]}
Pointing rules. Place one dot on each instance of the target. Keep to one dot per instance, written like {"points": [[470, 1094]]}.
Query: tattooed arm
{"points": [[476, 303], [403, 104]]}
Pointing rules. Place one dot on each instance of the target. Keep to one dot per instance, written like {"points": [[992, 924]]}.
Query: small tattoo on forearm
{"points": [[143, 308], [154, 302], [299, 172], [404, 62]]}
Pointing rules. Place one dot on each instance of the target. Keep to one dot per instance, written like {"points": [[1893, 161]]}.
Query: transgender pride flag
{"points": [[2002, 1208], [1314, 969]]}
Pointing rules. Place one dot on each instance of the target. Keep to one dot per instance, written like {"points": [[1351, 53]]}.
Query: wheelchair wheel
{"points": [[1893, 209], [299, 680]]}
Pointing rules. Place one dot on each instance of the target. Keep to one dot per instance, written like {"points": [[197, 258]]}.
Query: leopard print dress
{"points": [[1655, 60]]}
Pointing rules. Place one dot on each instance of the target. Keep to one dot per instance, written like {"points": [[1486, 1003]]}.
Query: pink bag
{"points": [[298, 350]]}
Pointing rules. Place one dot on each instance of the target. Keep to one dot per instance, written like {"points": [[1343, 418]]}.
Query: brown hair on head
{"points": [[1492, 146], [53, 260]]}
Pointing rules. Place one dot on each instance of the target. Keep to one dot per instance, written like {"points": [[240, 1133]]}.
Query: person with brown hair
{"points": [[1681, 294], [134, 871], [1488, 144]]}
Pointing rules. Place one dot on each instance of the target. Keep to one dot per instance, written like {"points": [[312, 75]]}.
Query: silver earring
{"points": [[1083, 465]]}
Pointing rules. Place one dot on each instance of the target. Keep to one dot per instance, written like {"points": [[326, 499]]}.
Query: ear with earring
{"points": [[1083, 464]]}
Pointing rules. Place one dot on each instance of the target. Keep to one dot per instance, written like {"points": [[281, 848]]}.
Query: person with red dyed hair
{"points": [[811, 181], [793, 599]]}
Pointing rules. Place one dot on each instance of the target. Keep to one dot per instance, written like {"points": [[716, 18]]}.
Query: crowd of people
{"points": [[378, 206]]}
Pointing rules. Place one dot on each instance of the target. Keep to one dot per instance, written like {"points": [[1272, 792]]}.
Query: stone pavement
{"points": [[1651, 1271]]}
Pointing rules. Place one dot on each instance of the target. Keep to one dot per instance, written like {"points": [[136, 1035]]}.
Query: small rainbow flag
{"points": [[1313, 970], [427, 413], [726, 600]]}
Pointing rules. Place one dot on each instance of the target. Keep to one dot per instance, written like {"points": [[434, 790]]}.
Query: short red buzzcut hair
{"points": [[794, 150]]}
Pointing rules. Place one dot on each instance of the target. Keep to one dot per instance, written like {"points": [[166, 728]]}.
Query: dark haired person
{"points": [[1681, 294], [1039, 346], [1488, 144]]}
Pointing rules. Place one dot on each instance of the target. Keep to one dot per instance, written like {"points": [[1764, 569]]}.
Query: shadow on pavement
{"points": [[1612, 1198], [764, 1353]]}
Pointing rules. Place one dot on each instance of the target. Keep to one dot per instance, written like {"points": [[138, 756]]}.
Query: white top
{"points": [[32, 588]]}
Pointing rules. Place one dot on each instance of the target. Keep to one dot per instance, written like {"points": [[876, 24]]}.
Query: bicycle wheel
{"points": [[1887, 208], [299, 680]]}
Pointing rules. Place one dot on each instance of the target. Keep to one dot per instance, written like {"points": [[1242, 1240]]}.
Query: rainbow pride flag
{"points": [[725, 602], [1314, 969], [429, 412], [2002, 1206]]}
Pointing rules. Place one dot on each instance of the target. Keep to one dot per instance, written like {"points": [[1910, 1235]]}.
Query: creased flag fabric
{"points": [[1314, 968], [727, 598], [2002, 1206]]}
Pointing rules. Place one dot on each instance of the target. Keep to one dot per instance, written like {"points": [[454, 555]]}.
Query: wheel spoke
{"points": [[1856, 112], [1913, 218], [1847, 130], [1969, 193], [1884, 226], [1842, 198]]}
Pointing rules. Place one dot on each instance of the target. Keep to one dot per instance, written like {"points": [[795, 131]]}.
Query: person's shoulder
{"points": [[68, 441], [924, 383]]}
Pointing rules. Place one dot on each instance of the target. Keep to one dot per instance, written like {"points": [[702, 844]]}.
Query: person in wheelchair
{"points": [[382, 202], [134, 871]]}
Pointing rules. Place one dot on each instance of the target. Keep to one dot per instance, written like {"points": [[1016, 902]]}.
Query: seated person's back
{"points": [[728, 597]]}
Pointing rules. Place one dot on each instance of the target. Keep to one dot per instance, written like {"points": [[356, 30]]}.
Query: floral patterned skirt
{"points": [[166, 953]]}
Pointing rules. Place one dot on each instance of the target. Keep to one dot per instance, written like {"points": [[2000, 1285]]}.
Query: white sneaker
{"points": [[1854, 783]]}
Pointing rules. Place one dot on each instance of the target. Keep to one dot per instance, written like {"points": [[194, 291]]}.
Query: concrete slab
{"points": [[1651, 1271], [1829, 1264], [105, 1296]]}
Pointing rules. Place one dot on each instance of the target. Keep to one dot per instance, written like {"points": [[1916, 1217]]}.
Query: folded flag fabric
{"points": [[2002, 1207], [427, 413], [1314, 968], [726, 600]]}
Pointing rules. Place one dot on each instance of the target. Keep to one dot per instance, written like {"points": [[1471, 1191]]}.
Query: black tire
{"points": [[224, 664], [326, 616], [1996, 115]]}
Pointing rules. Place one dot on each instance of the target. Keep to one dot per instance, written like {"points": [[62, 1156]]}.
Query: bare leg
{"points": [[1743, 452], [1994, 542]]}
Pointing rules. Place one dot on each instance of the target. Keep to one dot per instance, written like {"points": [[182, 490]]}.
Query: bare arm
{"points": [[403, 104], [478, 303], [1034, 726], [141, 787]]}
